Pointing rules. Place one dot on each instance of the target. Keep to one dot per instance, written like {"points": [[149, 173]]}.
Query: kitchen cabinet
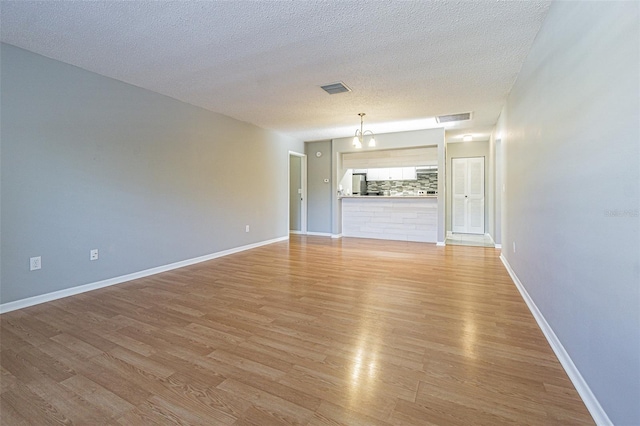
{"points": [[392, 173], [395, 173], [372, 174], [378, 174], [409, 173]]}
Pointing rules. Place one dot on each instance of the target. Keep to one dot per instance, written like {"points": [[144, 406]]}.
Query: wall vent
{"points": [[334, 88], [454, 117]]}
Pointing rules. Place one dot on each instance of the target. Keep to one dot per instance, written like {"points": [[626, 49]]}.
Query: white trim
{"points": [[320, 234], [293, 231], [441, 244], [498, 246], [36, 300], [336, 235], [589, 399]]}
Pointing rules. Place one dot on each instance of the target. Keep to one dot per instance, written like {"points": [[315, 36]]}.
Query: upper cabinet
{"points": [[409, 173], [395, 173], [377, 174], [392, 173]]}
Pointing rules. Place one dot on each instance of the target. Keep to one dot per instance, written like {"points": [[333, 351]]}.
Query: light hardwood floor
{"points": [[313, 331]]}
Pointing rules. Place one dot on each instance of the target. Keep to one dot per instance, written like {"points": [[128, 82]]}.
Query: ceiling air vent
{"points": [[454, 117], [334, 88]]}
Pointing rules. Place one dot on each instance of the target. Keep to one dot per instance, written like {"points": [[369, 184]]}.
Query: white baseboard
{"points": [[441, 244], [589, 399], [336, 235], [498, 246], [320, 234], [292, 231], [35, 300]]}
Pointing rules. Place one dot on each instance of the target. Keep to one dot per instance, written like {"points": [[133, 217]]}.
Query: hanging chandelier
{"points": [[358, 139]]}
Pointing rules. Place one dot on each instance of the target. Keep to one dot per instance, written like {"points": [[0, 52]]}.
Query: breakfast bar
{"points": [[404, 218]]}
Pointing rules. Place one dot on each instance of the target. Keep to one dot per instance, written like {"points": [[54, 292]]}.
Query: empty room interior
{"points": [[320, 213]]}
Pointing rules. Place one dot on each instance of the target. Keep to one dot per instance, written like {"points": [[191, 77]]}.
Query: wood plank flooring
{"points": [[313, 331]]}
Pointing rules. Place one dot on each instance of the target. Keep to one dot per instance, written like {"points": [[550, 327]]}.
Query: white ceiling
{"points": [[263, 62]]}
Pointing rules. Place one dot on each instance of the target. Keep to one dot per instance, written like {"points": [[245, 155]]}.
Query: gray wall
{"points": [[90, 162], [318, 192], [295, 183], [571, 137], [470, 149]]}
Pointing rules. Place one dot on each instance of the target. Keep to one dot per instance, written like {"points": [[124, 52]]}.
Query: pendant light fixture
{"points": [[358, 139]]}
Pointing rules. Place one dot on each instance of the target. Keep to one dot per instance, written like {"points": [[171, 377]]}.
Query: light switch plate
{"points": [[35, 263]]}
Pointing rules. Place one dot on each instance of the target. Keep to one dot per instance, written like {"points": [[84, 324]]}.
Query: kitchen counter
{"points": [[390, 217]]}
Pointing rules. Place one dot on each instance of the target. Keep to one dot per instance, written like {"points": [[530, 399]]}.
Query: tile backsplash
{"points": [[426, 182]]}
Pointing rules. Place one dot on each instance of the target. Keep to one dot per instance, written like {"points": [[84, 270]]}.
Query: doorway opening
{"points": [[297, 193]]}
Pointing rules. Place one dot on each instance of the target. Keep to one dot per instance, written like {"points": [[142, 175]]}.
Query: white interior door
{"points": [[467, 195]]}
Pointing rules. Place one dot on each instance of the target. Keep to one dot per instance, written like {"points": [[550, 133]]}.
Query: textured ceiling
{"points": [[263, 62]]}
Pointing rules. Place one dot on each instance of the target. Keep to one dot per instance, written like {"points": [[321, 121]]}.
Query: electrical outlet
{"points": [[246, 228], [35, 263], [514, 246], [93, 254]]}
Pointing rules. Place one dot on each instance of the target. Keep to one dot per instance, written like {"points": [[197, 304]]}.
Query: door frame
{"points": [[499, 192], [303, 184]]}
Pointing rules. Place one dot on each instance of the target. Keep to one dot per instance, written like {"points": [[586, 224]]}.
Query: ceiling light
{"points": [[467, 138], [358, 139]]}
